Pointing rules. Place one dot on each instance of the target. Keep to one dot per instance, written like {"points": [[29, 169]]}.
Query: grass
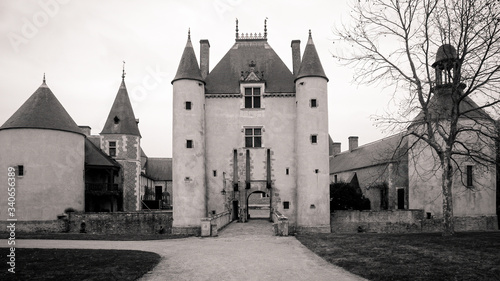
{"points": [[88, 236], [422, 256], [78, 264]]}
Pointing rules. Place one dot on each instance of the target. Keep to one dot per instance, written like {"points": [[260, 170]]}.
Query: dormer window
{"points": [[252, 97], [116, 119]]}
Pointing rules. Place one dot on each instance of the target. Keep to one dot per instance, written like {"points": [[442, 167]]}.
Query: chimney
{"points": [[204, 57], [336, 148], [353, 143], [295, 56], [85, 130]]}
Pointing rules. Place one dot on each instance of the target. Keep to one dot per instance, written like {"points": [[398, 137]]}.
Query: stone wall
{"points": [[402, 221], [49, 226], [122, 223]]}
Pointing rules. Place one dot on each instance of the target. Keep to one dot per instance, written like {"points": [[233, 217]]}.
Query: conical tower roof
{"points": [[121, 118], [310, 65], [188, 67], [42, 110]]}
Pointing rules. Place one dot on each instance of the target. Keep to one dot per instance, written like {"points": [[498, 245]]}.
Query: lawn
{"points": [[422, 256], [89, 236], [78, 264]]}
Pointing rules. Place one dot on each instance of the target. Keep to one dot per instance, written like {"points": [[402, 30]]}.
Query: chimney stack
{"points": [[295, 56], [353, 143], [336, 148], [204, 57]]}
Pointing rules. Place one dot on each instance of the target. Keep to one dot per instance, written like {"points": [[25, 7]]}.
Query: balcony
{"points": [[103, 188]]}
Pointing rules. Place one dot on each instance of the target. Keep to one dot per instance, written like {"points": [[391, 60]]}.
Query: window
{"points": [[286, 205], [188, 105], [316, 171], [314, 139], [287, 171], [189, 143], [215, 173], [112, 148], [335, 178], [20, 170], [252, 97], [469, 175], [253, 137], [314, 103]]}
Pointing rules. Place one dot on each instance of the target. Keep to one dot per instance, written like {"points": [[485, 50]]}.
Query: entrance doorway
{"points": [[235, 210], [259, 205]]}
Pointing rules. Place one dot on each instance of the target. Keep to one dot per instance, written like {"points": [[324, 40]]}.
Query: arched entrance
{"points": [[259, 205]]}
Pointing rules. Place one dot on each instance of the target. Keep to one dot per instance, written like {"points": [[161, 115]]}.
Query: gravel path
{"points": [[242, 251]]}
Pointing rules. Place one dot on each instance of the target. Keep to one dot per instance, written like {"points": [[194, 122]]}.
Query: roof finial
{"points": [[265, 28], [189, 33], [237, 34], [310, 36], [123, 71], [44, 78]]}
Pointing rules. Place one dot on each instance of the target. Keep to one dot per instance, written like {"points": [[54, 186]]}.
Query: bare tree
{"points": [[437, 55]]}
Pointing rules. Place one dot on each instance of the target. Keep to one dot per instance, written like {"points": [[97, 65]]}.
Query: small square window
{"points": [[112, 148], [215, 173], [314, 139], [287, 171], [188, 105], [20, 170], [286, 205], [316, 171], [189, 143], [314, 103]]}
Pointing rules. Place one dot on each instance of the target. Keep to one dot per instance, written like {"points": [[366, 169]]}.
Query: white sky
{"points": [[80, 45]]}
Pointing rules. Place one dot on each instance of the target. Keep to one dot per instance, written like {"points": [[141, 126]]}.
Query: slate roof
{"points": [[121, 118], [440, 108], [225, 77], [159, 168], [96, 157], [311, 65], [372, 154], [42, 110], [188, 66]]}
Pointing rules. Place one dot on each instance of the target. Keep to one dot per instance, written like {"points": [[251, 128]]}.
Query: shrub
{"points": [[344, 196]]}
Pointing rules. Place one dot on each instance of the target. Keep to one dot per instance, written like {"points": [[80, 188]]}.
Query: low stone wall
{"points": [[402, 221], [392, 221], [51, 226], [121, 222], [210, 226], [280, 224]]}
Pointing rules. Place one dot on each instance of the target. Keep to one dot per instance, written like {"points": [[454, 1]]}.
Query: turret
{"points": [[45, 151], [312, 143], [121, 139], [189, 186]]}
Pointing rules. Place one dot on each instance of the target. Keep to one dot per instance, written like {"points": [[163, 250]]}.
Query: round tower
{"points": [[188, 159], [312, 143], [43, 150]]}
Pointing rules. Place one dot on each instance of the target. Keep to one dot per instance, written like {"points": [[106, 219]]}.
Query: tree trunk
{"points": [[447, 182]]}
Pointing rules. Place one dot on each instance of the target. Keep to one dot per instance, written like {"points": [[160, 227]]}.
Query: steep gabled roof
{"points": [[96, 157], [380, 152], [188, 66], [121, 118], [42, 110], [159, 168], [225, 77], [310, 65]]}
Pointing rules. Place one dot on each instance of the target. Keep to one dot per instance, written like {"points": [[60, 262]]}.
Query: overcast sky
{"points": [[80, 45]]}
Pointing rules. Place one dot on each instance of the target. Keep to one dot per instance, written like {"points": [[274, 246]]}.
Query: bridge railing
{"points": [[211, 225], [280, 224]]}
